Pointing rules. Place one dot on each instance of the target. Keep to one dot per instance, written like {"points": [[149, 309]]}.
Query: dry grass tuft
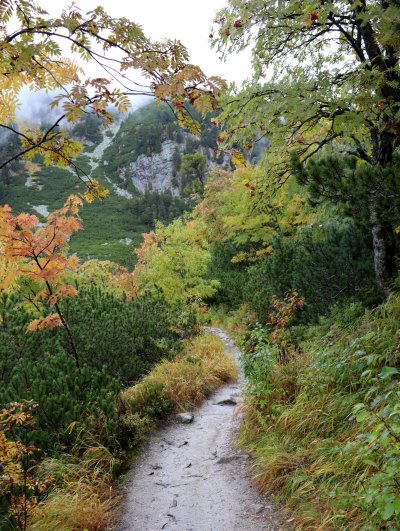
{"points": [[185, 381], [82, 497], [73, 511]]}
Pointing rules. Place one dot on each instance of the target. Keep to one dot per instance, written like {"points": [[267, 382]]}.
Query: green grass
{"points": [[333, 462]]}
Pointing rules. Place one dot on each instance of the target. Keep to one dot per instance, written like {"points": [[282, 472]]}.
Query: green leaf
{"points": [[387, 372], [362, 416], [388, 511], [238, 158], [396, 505]]}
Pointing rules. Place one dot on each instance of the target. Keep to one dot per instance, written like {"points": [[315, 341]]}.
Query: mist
{"points": [[35, 110]]}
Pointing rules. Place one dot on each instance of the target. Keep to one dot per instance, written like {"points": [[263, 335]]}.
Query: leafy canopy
{"points": [[324, 73], [227, 212], [174, 259]]}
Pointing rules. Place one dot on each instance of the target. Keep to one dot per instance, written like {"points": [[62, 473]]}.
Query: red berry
{"points": [[249, 145], [314, 15], [220, 139], [227, 32], [238, 24]]}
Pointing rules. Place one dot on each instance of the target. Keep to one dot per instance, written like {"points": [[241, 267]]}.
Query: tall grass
{"points": [[182, 383], [83, 496], [334, 469]]}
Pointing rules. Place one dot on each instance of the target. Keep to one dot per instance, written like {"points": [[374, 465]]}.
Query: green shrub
{"points": [[232, 277], [117, 343], [126, 337], [325, 265]]}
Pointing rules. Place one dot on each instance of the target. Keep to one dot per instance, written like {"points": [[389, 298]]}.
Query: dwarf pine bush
{"points": [[117, 343]]}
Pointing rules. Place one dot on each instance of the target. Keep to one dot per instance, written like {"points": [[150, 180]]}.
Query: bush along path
{"points": [[191, 477]]}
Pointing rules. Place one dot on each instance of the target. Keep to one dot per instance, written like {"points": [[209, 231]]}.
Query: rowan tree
{"points": [[38, 253], [48, 54], [18, 486], [326, 73]]}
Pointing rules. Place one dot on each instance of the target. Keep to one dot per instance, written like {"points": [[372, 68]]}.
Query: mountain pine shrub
{"points": [[117, 342]]}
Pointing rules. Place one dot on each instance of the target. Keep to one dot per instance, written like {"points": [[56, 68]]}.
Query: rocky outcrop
{"points": [[154, 172]]}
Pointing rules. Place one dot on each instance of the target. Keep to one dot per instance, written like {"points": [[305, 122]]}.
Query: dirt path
{"points": [[192, 478]]}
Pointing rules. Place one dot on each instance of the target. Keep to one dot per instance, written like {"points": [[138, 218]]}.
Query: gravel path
{"points": [[192, 478]]}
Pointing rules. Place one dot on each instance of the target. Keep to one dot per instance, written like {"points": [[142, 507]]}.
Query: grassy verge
{"points": [[237, 323], [83, 495], [324, 426], [181, 384]]}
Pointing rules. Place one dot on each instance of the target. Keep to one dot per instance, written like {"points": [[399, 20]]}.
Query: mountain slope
{"points": [[138, 160]]}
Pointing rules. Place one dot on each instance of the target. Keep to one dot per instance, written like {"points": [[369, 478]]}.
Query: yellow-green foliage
{"points": [[174, 260], [18, 486], [230, 211], [324, 426], [182, 383]]}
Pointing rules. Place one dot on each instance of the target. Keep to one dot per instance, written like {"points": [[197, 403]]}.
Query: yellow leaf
{"points": [[95, 191], [238, 158]]}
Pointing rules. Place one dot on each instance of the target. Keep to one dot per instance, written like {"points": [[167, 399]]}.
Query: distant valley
{"points": [[149, 164]]}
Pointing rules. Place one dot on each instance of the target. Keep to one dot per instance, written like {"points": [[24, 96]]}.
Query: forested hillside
{"points": [[159, 189], [271, 210]]}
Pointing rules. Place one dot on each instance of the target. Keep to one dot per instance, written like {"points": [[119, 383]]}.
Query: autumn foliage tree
{"points": [[18, 484], [38, 250], [326, 77]]}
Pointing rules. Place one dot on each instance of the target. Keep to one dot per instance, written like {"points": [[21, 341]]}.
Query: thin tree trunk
{"points": [[384, 244], [67, 329]]}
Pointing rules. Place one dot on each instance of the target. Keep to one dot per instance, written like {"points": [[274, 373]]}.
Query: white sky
{"points": [[187, 20]]}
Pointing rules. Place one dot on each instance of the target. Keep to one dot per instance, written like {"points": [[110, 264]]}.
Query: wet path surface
{"points": [[191, 477]]}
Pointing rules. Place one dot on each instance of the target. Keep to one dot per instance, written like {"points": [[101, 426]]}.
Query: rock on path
{"points": [[192, 478]]}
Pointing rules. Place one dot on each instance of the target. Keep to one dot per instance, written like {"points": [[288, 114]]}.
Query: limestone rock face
{"points": [[154, 172]]}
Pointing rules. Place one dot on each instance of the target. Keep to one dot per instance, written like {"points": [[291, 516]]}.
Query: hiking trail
{"points": [[191, 477]]}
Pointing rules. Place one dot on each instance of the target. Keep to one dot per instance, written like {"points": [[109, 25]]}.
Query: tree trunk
{"points": [[384, 243]]}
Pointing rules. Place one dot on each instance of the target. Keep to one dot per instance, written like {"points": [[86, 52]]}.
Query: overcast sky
{"points": [[187, 20]]}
